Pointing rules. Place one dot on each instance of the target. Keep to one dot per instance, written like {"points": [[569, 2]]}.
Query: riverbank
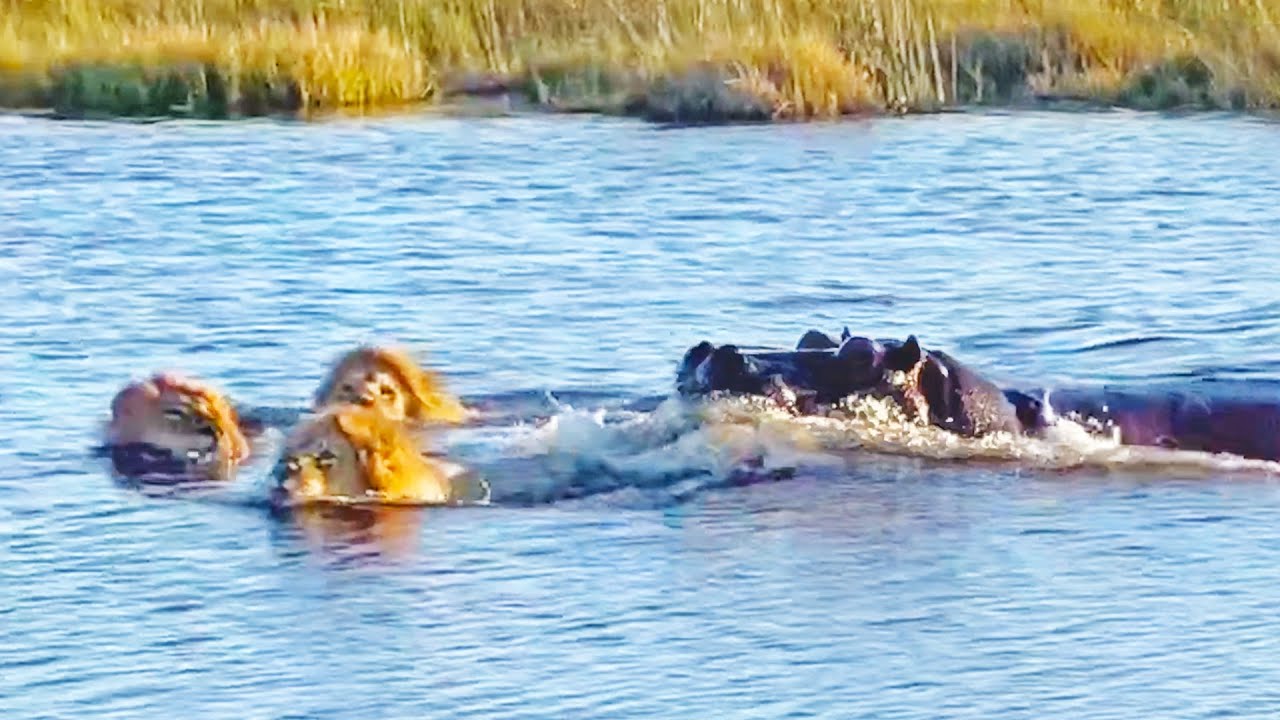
{"points": [[668, 60]]}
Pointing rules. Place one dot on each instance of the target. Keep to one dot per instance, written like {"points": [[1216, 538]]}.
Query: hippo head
{"points": [[727, 368], [930, 386], [890, 368], [923, 383], [707, 368], [820, 372]]}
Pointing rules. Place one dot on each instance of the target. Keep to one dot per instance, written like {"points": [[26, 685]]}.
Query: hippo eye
{"points": [[175, 414], [326, 458], [347, 388], [861, 351]]}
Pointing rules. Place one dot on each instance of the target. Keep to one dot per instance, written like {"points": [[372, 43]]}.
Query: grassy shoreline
{"points": [[663, 60]]}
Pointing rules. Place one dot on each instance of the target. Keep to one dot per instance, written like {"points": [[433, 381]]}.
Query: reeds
{"points": [[666, 59]]}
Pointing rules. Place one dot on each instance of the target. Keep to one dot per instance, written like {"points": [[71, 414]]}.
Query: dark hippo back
{"points": [[1236, 423]]}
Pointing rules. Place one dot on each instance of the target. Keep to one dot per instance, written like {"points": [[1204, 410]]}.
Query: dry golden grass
{"points": [[800, 58]]}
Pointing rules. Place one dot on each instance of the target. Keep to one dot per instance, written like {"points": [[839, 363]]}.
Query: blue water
{"points": [[551, 267]]}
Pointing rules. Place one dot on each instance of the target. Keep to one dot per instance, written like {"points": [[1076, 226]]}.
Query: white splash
{"points": [[682, 447]]}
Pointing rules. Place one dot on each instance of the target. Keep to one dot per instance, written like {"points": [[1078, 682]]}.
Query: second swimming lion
{"points": [[390, 381]]}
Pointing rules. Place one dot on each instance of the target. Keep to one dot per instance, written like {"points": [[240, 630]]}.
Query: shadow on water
{"points": [[348, 533]]}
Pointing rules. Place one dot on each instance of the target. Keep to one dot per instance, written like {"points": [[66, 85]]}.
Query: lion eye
{"points": [[292, 464], [388, 392], [326, 458]]}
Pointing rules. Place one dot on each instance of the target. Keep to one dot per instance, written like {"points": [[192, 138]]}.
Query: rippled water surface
{"points": [[554, 267]]}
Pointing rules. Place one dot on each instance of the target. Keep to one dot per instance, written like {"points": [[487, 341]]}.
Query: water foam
{"points": [[680, 448], [684, 447], [666, 454]]}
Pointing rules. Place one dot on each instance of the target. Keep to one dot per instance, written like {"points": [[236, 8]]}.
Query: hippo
{"points": [[951, 395], [818, 372], [821, 371]]}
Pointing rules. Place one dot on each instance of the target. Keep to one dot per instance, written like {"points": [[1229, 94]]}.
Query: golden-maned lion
{"points": [[170, 424], [388, 380], [355, 453]]}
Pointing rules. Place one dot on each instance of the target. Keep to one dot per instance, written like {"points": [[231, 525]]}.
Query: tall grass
{"points": [[665, 58]]}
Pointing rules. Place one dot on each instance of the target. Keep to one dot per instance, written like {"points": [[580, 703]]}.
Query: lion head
{"points": [[389, 380], [354, 452], [169, 423]]}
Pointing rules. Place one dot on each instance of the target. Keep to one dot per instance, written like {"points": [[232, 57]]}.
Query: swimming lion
{"points": [[168, 424], [355, 453], [389, 380]]}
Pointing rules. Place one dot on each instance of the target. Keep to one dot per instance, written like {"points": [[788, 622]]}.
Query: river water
{"points": [[554, 269]]}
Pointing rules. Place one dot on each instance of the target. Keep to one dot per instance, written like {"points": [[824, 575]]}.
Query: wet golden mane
{"points": [[390, 458], [137, 412], [389, 461], [427, 400]]}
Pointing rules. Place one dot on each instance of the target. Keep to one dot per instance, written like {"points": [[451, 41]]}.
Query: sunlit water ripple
{"points": [[538, 261]]}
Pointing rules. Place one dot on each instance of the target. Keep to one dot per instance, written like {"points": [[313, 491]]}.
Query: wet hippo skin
{"points": [[960, 399]]}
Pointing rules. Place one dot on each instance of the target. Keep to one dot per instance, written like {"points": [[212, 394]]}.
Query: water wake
{"points": [[659, 452], [681, 448], [660, 456]]}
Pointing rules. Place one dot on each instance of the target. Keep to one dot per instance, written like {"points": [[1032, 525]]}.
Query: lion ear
{"points": [[326, 386]]}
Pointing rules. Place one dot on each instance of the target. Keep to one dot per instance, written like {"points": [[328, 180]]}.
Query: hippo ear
{"points": [[905, 356], [694, 356], [845, 334], [815, 340]]}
